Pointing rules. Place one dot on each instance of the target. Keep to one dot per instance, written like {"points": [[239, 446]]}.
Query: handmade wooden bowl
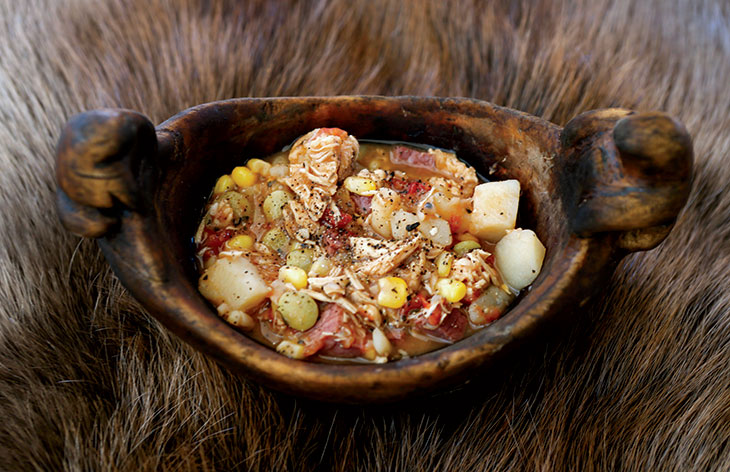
{"points": [[611, 182]]}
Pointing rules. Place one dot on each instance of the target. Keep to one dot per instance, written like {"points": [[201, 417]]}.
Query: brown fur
{"points": [[641, 381]]}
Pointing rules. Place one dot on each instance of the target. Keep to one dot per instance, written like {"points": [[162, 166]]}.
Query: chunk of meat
{"points": [[452, 327], [335, 334], [334, 240], [362, 204], [378, 257], [317, 161], [442, 162]]}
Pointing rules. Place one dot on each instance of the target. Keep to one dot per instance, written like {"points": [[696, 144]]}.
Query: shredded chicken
{"points": [[473, 270], [465, 178], [298, 223], [378, 257], [317, 161]]}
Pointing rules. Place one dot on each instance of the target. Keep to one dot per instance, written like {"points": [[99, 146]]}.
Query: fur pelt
{"points": [[88, 381]]}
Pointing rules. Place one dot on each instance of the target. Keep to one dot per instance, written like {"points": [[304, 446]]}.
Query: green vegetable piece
{"points": [[274, 205], [302, 258], [465, 246], [277, 240], [240, 204], [298, 310]]}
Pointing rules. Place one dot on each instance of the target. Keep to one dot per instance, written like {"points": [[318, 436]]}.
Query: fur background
{"points": [[641, 381]]}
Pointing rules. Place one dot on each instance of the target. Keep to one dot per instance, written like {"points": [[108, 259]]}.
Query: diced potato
{"points": [[400, 223], [518, 257], [495, 209], [437, 230], [235, 282], [384, 204]]}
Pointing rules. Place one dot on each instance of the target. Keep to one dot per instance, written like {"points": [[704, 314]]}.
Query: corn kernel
{"points": [[443, 263], [258, 166], [393, 292], [467, 237], [361, 186], [224, 184], [243, 177], [451, 290], [293, 275], [465, 246], [242, 242], [290, 349]]}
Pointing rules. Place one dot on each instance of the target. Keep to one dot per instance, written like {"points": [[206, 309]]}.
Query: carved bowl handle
{"points": [[633, 172], [97, 168]]}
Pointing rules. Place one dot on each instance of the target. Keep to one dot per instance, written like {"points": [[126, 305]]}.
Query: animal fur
{"points": [[640, 381]]}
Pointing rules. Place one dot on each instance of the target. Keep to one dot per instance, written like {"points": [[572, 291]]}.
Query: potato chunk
{"points": [[519, 257], [495, 209], [235, 282]]}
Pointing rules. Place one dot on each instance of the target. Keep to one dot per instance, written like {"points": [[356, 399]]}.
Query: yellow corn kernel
{"points": [[443, 263], [243, 177], [467, 237], [293, 275], [451, 290], [393, 292], [290, 349], [361, 185], [242, 242], [258, 166], [224, 184]]}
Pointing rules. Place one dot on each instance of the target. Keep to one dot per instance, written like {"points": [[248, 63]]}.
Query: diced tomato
{"points": [[416, 186], [455, 223], [329, 219], [434, 319], [398, 184], [416, 302], [214, 240], [490, 260]]}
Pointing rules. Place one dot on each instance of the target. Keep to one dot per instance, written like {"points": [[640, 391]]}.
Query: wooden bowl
{"points": [[611, 182]]}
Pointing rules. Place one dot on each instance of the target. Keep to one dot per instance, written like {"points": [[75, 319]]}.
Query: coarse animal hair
{"points": [[640, 381]]}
